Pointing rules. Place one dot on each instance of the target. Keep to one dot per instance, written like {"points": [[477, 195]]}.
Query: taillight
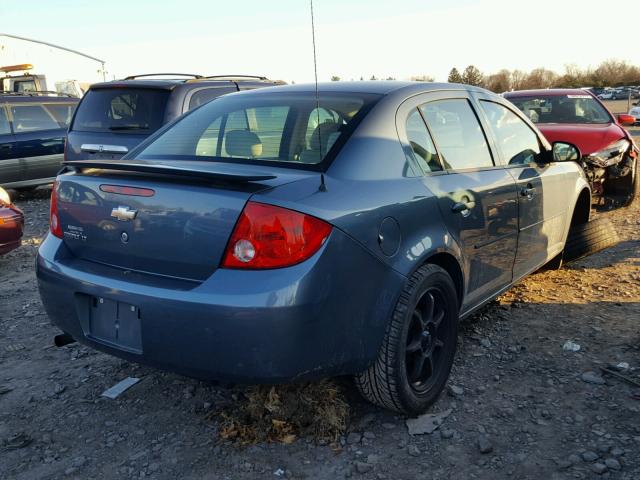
{"points": [[267, 236], [54, 218]]}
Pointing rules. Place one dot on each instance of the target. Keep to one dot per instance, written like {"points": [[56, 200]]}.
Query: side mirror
{"points": [[624, 119], [565, 152]]}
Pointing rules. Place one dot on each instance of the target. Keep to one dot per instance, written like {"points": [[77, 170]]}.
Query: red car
{"points": [[11, 223], [609, 154]]}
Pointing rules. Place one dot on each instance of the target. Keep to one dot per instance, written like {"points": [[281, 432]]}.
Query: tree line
{"points": [[610, 73]]}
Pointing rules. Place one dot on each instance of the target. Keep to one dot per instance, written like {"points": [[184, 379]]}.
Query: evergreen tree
{"points": [[454, 76]]}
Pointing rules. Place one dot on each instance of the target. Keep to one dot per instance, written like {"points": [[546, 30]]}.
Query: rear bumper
{"points": [[325, 316]]}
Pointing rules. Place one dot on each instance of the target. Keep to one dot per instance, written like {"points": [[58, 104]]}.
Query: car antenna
{"points": [[323, 187]]}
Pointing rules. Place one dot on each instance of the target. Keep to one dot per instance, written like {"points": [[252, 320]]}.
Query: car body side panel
{"points": [[11, 168], [41, 151], [544, 214], [405, 201]]}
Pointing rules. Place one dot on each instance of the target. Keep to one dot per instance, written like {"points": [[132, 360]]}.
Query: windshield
{"points": [[271, 127], [135, 110], [582, 108]]}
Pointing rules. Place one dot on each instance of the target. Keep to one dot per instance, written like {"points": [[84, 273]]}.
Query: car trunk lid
{"points": [[164, 218]]}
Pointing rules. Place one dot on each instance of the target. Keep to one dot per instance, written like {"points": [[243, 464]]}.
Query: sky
{"points": [[354, 38]]}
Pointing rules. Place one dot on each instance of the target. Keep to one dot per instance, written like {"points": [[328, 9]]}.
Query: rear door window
{"points": [[134, 110], [32, 118], [518, 143], [457, 134], [5, 128]]}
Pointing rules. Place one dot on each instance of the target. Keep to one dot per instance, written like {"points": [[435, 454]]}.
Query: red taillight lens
{"points": [[54, 218], [267, 236]]}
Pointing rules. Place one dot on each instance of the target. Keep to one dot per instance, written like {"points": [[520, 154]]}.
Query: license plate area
{"points": [[115, 323]]}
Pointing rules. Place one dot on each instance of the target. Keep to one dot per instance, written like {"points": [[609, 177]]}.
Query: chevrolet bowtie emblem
{"points": [[123, 213]]}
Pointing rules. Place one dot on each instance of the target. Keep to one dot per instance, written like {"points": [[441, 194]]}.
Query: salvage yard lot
{"points": [[517, 395], [622, 106]]}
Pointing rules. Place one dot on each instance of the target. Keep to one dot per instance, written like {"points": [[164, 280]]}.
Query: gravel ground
{"points": [[520, 406]]}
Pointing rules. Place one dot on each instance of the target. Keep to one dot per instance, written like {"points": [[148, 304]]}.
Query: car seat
{"points": [[321, 141], [243, 144]]}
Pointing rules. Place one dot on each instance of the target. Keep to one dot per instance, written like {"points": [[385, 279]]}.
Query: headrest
{"points": [[243, 143], [323, 132]]}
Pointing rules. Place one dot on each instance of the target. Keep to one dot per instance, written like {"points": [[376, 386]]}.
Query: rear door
{"points": [[39, 140], [544, 189], [476, 197], [109, 122], [10, 168]]}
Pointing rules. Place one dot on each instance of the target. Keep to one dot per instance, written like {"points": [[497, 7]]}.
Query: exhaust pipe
{"points": [[63, 339]]}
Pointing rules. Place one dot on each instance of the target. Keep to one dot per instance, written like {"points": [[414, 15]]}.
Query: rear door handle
{"points": [[5, 146], [463, 206]]}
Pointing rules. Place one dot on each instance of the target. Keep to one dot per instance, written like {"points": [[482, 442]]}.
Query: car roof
{"points": [[549, 92], [36, 98], [171, 83], [380, 87]]}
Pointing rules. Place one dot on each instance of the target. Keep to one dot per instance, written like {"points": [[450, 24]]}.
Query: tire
{"points": [[588, 238], [428, 303]]}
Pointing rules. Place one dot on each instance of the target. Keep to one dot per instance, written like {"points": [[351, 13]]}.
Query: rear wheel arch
{"points": [[450, 264]]}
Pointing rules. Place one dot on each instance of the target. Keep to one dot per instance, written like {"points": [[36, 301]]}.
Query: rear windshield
{"points": [[263, 127], [134, 110], [581, 108]]}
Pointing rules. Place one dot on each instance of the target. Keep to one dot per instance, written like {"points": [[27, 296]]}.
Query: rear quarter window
{"points": [[121, 110], [62, 112]]}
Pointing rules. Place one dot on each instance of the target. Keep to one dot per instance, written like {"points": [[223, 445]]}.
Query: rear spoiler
{"points": [[184, 168]]}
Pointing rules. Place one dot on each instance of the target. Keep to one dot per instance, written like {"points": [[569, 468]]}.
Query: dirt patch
{"points": [[318, 411], [522, 406]]}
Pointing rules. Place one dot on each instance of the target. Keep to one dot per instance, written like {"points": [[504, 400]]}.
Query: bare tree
{"points": [[499, 82]]}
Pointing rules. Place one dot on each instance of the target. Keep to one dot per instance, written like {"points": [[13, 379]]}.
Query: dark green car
{"points": [[33, 128]]}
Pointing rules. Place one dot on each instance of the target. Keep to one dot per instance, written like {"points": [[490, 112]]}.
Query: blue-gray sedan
{"points": [[275, 236]]}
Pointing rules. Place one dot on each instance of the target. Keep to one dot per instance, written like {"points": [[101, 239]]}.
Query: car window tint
{"points": [[276, 127], [421, 144], [130, 110], [62, 112], [4, 122], [208, 143], [206, 95], [267, 124], [323, 129], [458, 134], [31, 118], [518, 143]]}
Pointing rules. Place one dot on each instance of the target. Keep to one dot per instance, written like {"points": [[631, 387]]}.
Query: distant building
{"points": [[52, 67]]}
